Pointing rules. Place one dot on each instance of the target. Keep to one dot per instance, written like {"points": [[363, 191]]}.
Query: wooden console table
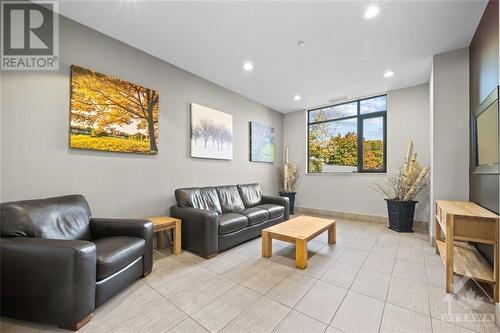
{"points": [[466, 222], [160, 226]]}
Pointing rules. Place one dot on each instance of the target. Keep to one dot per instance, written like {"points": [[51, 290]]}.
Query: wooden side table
{"points": [[457, 224], [161, 224]]}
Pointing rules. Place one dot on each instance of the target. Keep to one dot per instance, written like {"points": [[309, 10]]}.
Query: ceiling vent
{"points": [[338, 99]]}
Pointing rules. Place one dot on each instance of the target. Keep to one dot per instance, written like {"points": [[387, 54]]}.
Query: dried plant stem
{"points": [[408, 182], [290, 176], [418, 184]]}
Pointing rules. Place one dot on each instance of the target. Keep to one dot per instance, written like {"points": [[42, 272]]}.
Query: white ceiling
{"points": [[344, 54]]}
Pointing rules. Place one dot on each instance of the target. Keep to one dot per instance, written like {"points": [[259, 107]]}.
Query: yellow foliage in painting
{"points": [[111, 114], [109, 143]]}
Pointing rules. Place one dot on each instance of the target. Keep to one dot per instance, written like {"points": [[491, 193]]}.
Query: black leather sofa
{"points": [[215, 219], [58, 263]]}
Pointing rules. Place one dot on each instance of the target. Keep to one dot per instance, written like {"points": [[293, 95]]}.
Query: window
{"points": [[349, 137]]}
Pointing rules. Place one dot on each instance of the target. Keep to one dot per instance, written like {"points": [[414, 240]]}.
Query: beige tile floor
{"points": [[372, 280]]}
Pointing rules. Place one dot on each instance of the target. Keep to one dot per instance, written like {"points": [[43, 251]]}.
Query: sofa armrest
{"points": [[103, 227], [200, 229], [48, 280], [275, 200]]}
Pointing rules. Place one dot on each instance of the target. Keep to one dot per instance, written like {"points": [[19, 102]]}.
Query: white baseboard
{"points": [[421, 226]]}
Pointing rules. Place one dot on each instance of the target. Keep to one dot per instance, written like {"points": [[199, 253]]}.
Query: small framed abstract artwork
{"points": [[261, 143]]}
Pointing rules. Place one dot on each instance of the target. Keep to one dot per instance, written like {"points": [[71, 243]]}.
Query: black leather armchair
{"points": [[58, 264], [105, 228]]}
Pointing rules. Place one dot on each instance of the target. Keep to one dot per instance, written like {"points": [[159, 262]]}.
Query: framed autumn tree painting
{"points": [[110, 114]]}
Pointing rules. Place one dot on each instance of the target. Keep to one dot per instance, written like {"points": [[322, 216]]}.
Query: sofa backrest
{"points": [[251, 194], [230, 199], [65, 217], [198, 197], [221, 199]]}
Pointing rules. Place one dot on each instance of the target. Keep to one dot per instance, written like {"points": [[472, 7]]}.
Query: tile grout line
{"points": [[348, 289], [317, 280], [261, 295], [428, 297], [315, 283], [178, 308], [220, 275], [388, 288], [191, 264]]}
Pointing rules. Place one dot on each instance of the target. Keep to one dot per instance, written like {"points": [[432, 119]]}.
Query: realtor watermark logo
{"points": [[29, 35], [467, 307]]}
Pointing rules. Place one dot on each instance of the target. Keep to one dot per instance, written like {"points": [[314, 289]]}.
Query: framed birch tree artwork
{"points": [[211, 133], [109, 114]]}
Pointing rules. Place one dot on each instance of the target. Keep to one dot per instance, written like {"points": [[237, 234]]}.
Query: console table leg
{"points": [[449, 253], [437, 235]]}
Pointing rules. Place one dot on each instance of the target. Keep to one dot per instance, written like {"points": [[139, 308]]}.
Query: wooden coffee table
{"points": [[161, 224], [298, 231]]}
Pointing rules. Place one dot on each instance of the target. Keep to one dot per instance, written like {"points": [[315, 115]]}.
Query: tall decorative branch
{"points": [[289, 174], [408, 182]]}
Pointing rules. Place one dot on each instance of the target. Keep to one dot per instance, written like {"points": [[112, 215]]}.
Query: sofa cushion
{"points": [[255, 215], [231, 222], [114, 253], [251, 194], [65, 217], [274, 210], [230, 200], [202, 198]]}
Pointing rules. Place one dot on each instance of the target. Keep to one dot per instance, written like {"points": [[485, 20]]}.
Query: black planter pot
{"points": [[291, 197], [401, 214]]}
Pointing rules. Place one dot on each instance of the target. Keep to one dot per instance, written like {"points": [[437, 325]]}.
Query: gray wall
{"points": [[407, 119], [449, 128], [1, 131], [36, 160]]}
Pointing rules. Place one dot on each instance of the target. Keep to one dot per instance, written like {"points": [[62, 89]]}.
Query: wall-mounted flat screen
{"points": [[487, 135]]}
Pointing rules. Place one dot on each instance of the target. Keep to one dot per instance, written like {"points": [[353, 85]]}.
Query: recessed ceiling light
{"points": [[388, 74], [297, 97], [372, 11], [248, 66]]}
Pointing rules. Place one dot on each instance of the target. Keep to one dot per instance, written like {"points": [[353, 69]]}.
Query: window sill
{"points": [[346, 173]]}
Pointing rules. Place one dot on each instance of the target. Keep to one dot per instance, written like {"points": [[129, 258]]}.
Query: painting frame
{"points": [[100, 121], [211, 133], [262, 151]]}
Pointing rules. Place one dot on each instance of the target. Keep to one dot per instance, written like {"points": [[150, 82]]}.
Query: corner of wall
{"points": [[1, 133], [431, 152], [449, 99], [497, 307]]}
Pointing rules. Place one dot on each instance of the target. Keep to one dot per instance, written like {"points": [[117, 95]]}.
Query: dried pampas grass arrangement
{"points": [[289, 174], [408, 182]]}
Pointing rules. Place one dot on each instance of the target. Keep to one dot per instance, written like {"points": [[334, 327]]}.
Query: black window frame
{"points": [[360, 117]]}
